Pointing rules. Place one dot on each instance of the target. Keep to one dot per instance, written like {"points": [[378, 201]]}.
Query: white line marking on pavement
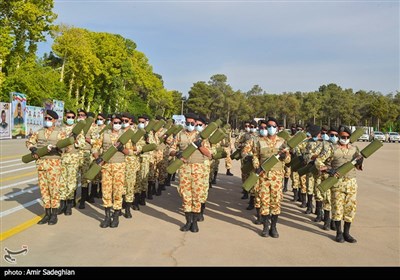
{"points": [[13, 160], [19, 207], [19, 183], [18, 164], [10, 171], [11, 195]]}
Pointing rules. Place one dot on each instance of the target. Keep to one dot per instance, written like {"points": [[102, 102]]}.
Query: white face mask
{"points": [[117, 127], [70, 121], [199, 128], [48, 123], [108, 122], [263, 132], [325, 137], [190, 128], [100, 122], [333, 139], [344, 141], [271, 130], [253, 130], [125, 125], [247, 129], [80, 119], [141, 125]]}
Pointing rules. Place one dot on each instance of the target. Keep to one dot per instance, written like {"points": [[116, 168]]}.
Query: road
{"points": [[227, 237]]}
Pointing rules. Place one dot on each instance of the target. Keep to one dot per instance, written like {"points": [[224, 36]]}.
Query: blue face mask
{"points": [[333, 139], [263, 132], [271, 130], [325, 137], [199, 128], [315, 138], [70, 121], [190, 128], [141, 125]]}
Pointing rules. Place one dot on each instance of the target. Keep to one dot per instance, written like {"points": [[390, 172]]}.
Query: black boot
{"points": [[209, 185], [162, 186], [251, 203], [339, 234], [74, 201], [194, 227], [303, 200], [142, 200], [245, 195], [318, 211], [100, 193], [128, 214], [68, 210], [299, 198], [135, 204], [309, 204], [327, 220], [107, 220], [150, 191], [228, 172], [258, 221], [115, 221], [214, 179], [273, 232], [46, 217], [168, 180], [93, 192], [189, 219], [346, 234], [265, 222], [83, 198], [295, 194], [173, 177], [63, 206], [333, 225], [201, 214], [159, 190], [285, 182], [153, 187], [53, 218]]}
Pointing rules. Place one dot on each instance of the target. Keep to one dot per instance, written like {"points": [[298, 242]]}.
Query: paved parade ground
{"points": [[227, 237]]}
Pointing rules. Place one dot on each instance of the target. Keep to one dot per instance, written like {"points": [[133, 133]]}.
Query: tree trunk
{"points": [[378, 124], [77, 96], [62, 70], [71, 84], [314, 118]]}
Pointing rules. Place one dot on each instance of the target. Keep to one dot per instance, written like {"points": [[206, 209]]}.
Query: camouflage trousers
{"points": [[299, 182], [152, 167], [162, 170], [288, 171], [213, 167], [112, 183], [132, 164], [271, 192], [49, 171], [344, 199], [142, 178], [314, 181], [69, 175], [256, 193], [192, 178], [228, 160], [86, 160], [204, 193], [326, 202]]}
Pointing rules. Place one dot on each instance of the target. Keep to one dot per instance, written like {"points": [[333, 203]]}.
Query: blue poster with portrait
{"points": [[18, 109]]}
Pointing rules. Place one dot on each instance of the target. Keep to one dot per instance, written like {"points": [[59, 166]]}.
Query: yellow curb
{"points": [[17, 176], [19, 228]]}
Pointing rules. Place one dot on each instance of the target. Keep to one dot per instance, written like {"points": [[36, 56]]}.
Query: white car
{"points": [[379, 136], [394, 136], [364, 137]]}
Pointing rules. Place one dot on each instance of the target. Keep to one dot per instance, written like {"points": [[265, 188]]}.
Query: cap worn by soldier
{"points": [[116, 116], [82, 111], [262, 122], [191, 116], [343, 128], [52, 114], [272, 119], [202, 119], [325, 128], [101, 115], [314, 130], [70, 112], [334, 128], [127, 115], [158, 118], [253, 123], [90, 114], [299, 126]]}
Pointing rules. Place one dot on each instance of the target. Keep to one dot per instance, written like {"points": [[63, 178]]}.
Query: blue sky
{"points": [[283, 46]]}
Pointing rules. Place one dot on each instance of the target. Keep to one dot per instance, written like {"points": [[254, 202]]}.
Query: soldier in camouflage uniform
{"points": [[270, 183], [344, 193], [161, 159], [194, 172], [132, 164], [226, 143], [113, 171], [145, 158], [48, 166], [241, 138], [287, 169], [70, 160]]}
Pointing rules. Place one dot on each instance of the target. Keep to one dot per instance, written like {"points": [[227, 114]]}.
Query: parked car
{"points": [[364, 137], [394, 136], [379, 136]]}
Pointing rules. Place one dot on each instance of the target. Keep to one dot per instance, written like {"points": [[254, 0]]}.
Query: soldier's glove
{"points": [[146, 138], [259, 170], [197, 143], [282, 156], [248, 159], [331, 172], [178, 155], [301, 158], [99, 160], [359, 163], [33, 150], [120, 147]]}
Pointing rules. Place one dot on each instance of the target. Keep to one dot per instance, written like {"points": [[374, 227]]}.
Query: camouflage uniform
{"points": [[144, 171], [48, 166], [226, 143], [132, 165], [162, 153]]}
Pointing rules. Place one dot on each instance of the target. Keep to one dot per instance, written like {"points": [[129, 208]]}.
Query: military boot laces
{"points": [[273, 231], [327, 220], [346, 234], [53, 217], [265, 223], [189, 217], [62, 208], [46, 217], [128, 214], [107, 219], [115, 221], [339, 234], [194, 227], [318, 211], [68, 210]]}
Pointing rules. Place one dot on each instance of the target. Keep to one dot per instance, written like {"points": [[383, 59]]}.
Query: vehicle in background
{"points": [[379, 136], [364, 137], [393, 137]]}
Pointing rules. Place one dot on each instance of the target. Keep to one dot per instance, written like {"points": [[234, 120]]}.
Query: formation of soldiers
{"points": [[136, 172]]}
